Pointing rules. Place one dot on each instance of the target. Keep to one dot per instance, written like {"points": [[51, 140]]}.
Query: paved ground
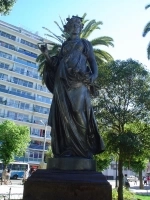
{"points": [[16, 189]]}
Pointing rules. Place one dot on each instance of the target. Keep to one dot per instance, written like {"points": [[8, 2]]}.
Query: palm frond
{"points": [[62, 22], [106, 57], [105, 40], [146, 29], [148, 51], [58, 38], [89, 28], [53, 35], [147, 6], [61, 29]]}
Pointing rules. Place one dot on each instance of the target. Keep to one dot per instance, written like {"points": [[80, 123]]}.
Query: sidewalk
{"points": [[144, 191], [17, 190], [11, 191]]}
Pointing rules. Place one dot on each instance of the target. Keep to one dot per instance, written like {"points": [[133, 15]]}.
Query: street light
{"points": [[44, 140]]}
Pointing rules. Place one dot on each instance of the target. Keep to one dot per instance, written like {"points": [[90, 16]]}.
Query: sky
{"points": [[123, 20]]}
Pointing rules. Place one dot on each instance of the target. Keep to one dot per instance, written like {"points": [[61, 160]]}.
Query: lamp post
{"points": [[44, 140]]}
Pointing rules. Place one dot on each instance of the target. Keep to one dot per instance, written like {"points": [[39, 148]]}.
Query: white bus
{"points": [[16, 168]]}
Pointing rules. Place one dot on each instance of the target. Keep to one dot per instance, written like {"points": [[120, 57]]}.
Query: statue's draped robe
{"points": [[73, 126]]}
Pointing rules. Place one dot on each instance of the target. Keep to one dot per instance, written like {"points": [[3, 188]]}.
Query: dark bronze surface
{"points": [[68, 185], [70, 77], [71, 164]]}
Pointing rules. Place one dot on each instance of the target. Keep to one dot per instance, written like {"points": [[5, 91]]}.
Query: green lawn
{"points": [[142, 197]]}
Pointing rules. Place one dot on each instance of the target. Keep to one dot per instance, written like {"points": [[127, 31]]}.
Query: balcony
{"points": [[30, 159], [25, 63], [40, 136], [39, 147], [27, 53], [22, 95]]}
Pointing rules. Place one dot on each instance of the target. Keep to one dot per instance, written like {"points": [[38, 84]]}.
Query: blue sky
{"points": [[124, 21]]}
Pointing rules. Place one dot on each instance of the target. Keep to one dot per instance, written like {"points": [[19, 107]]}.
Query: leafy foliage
{"points": [[123, 99], [6, 6], [14, 140], [126, 193], [103, 160], [49, 153]]}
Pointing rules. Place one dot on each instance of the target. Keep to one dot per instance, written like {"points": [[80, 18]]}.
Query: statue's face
{"points": [[74, 28]]}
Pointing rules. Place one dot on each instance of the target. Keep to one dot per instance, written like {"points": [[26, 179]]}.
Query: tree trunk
{"points": [[120, 188], [141, 180]]}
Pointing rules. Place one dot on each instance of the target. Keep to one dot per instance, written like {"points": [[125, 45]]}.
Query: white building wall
{"points": [[22, 96]]}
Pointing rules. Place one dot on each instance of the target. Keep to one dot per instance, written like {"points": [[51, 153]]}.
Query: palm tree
{"points": [[89, 27], [146, 30]]}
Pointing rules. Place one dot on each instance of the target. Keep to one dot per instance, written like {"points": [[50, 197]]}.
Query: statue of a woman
{"points": [[69, 76]]}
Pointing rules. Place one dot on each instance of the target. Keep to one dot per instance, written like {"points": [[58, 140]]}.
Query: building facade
{"points": [[23, 98]]}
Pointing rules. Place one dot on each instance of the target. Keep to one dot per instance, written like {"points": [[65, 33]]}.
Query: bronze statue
{"points": [[69, 77]]}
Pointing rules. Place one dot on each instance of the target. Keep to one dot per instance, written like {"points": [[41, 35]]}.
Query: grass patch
{"points": [[142, 197]]}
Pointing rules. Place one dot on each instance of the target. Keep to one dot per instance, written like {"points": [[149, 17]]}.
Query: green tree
{"points": [[14, 140], [6, 6], [124, 89], [139, 162], [146, 30], [49, 153], [103, 160], [89, 27]]}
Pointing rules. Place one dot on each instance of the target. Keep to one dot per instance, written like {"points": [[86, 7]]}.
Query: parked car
{"points": [[132, 178]]}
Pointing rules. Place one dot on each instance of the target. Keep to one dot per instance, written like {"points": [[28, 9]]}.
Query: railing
{"points": [[17, 94], [25, 63], [35, 146], [38, 135], [26, 73]]}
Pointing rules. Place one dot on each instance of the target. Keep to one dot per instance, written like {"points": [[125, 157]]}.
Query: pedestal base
{"points": [[67, 185], [71, 164]]}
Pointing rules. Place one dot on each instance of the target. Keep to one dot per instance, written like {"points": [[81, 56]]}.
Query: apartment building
{"points": [[23, 98]]}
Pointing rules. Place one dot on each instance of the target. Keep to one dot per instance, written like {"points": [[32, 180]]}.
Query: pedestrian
{"points": [[136, 179], [148, 180], [3, 178], [145, 180], [8, 173], [25, 176], [126, 182]]}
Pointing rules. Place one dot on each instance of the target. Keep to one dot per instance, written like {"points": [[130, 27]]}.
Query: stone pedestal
{"points": [[55, 184]]}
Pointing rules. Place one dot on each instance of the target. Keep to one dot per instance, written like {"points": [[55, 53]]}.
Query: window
{"points": [[22, 117], [29, 44], [28, 53], [44, 99], [38, 120], [4, 65], [13, 103], [11, 115], [6, 45], [5, 55], [7, 35], [21, 92], [2, 86], [19, 70], [22, 82], [21, 60], [42, 88], [41, 109], [3, 76]]}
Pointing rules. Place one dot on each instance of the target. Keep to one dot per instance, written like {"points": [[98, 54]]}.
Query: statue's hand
{"points": [[92, 77], [44, 50]]}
